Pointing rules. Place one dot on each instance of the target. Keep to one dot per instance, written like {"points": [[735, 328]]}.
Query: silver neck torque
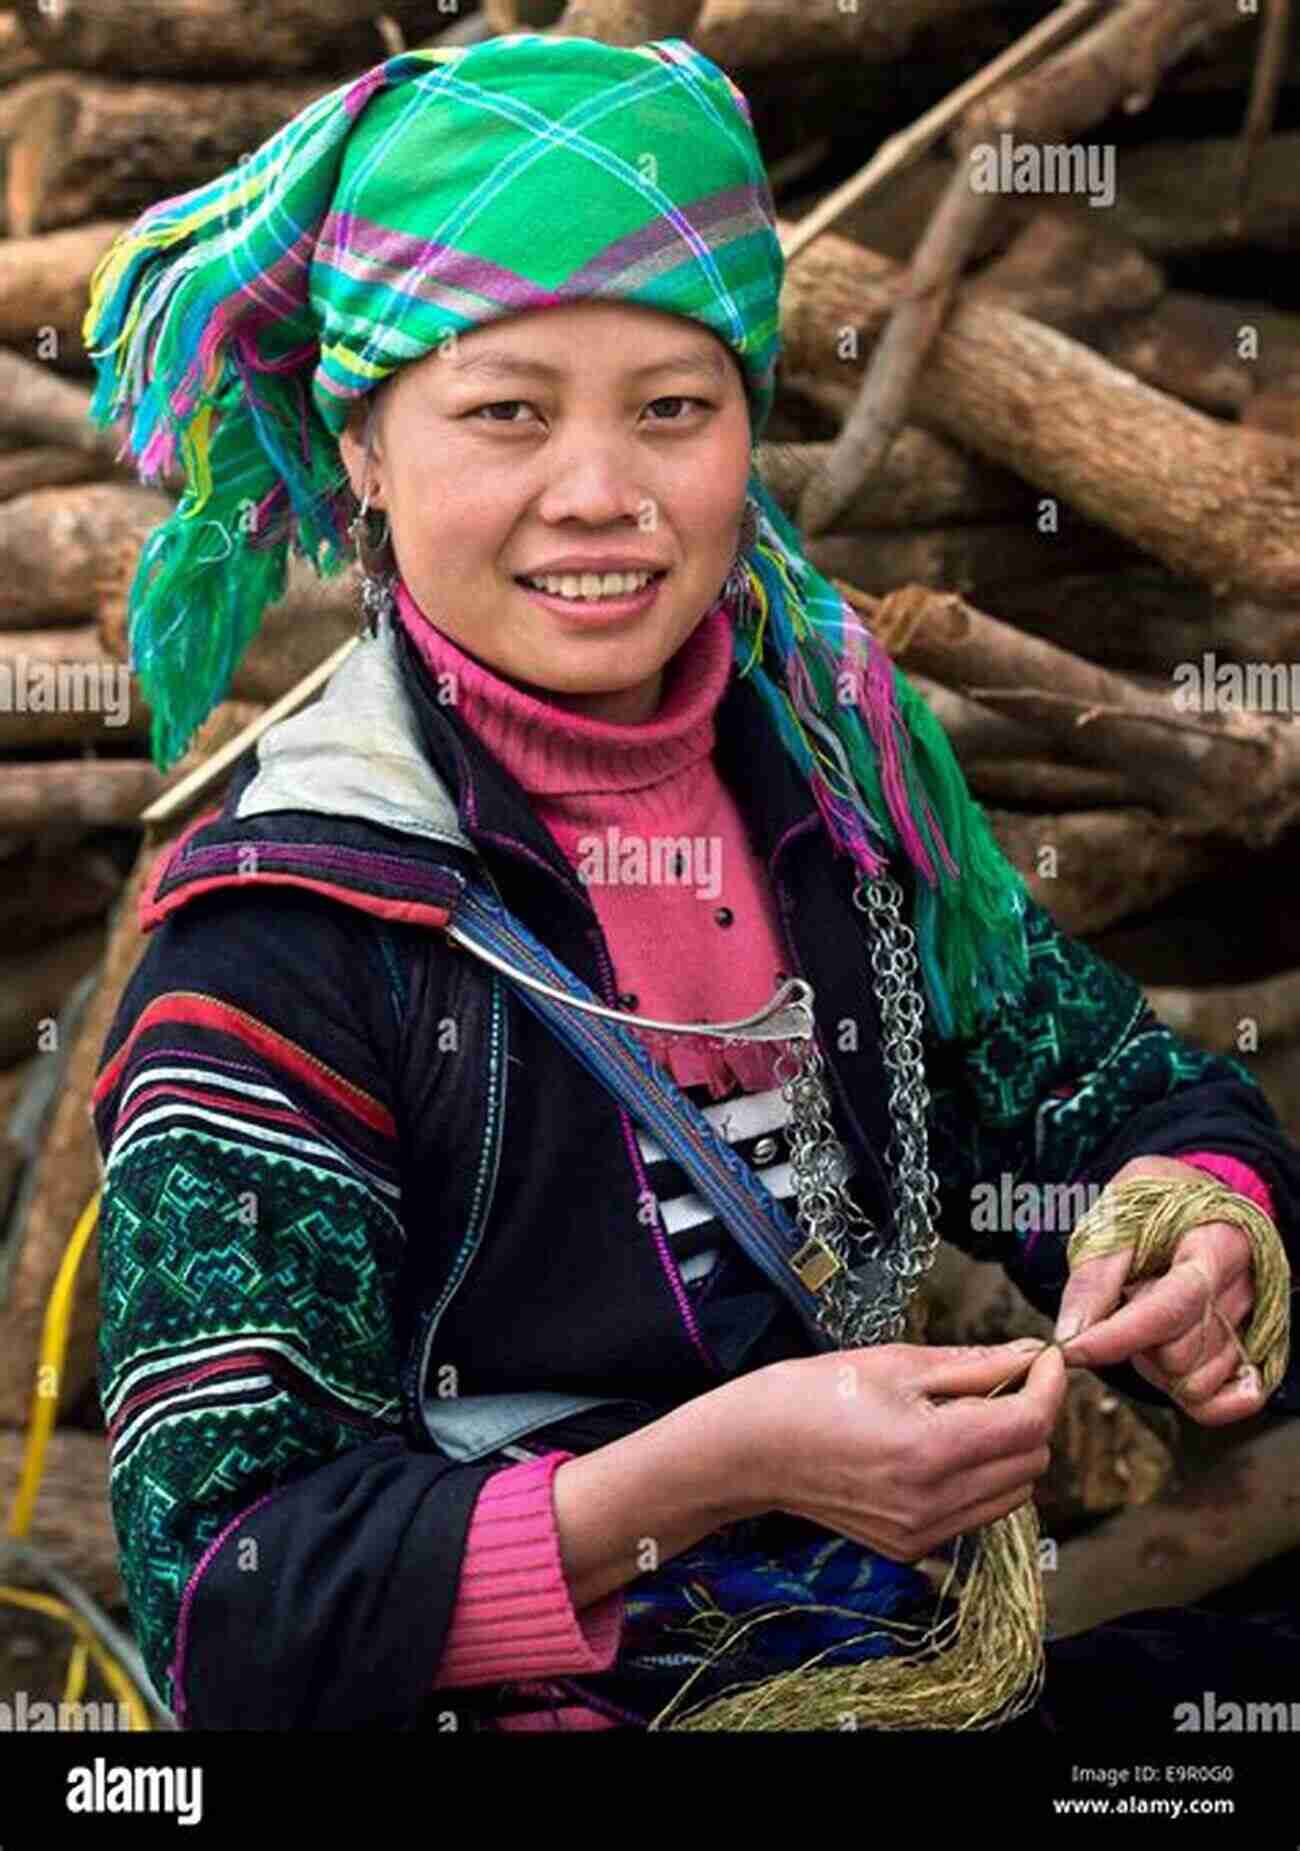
{"points": [[786, 1016]]}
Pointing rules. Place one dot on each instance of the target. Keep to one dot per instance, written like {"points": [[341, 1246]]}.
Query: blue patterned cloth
{"points": [[839, 1589]]}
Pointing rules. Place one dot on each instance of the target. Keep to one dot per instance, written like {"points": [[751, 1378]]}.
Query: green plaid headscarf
{"points": [[438, 192]]}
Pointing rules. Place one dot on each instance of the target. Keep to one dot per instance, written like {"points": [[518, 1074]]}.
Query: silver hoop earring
{"points": [[737, 592], [369, 550], [378, 597]]}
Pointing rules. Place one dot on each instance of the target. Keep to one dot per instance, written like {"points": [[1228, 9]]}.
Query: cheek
{"points": [[452, 512], [727, 475], [711, 497]]}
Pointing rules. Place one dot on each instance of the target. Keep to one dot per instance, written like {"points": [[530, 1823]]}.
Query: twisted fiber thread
{"points": [[1151, 1214], [983, 1664]]}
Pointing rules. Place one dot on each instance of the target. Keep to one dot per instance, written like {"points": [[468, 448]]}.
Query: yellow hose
{"points": [[76, 1680], [45, 1404]]}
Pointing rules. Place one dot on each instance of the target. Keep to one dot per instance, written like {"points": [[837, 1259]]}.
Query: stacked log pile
{"points": [[1050, 452]]}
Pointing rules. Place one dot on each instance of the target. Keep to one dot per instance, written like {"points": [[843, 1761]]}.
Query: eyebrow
{"points": [[497, 364]]}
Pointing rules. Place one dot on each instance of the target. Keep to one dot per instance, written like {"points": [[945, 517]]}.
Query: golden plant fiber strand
{"points": [[982, 1664], [1151, 1214]]}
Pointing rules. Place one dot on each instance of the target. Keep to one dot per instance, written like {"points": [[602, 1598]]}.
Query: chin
{"points": [[603, 665]]}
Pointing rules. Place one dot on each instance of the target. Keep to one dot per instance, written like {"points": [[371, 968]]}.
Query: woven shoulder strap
{"points": [[747, 1208]]}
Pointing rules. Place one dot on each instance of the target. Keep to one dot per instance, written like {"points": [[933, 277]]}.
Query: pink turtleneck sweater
{"points": [[703, 945]]}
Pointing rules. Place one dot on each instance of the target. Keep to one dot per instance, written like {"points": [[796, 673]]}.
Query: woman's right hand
{"points": [[896, 1446]]}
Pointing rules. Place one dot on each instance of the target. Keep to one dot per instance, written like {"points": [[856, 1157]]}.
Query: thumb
{"points": [[1046, 1378], [1092, 1292], [954, 1369]]}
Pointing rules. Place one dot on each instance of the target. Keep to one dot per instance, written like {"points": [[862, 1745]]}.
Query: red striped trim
{"points": [[243, 1108], [191, 1007], [164, 859], [269, 1362], [404, 912], [160, 1390]]}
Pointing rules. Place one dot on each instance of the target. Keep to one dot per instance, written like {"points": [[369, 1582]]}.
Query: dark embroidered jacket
{"points": [[365, 1220]]}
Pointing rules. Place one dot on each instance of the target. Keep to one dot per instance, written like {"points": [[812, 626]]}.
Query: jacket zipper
{"points": [[497, 1076], [496, 1090]]}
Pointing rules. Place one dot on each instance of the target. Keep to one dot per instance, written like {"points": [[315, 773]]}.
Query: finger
{"points": [[961, 1491], [966, 1369], [1238, 1400], [1216, 1248], [977, 1430], [985, 1482], [1227, 1362], [1224, 1251], [1045, 1383], [1160, 1316], [975, 1517], [1092, 1290], [1203, 1384], [1140, 1287], [1202, 1345]]}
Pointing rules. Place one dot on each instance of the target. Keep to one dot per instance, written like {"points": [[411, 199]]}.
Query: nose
{"points": [[596, 479]]}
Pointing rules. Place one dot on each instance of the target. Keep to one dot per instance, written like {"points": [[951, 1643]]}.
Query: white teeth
{"points": [[591, 585]]}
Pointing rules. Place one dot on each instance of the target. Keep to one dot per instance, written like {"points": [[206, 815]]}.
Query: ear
{"points": [[352, 450]]}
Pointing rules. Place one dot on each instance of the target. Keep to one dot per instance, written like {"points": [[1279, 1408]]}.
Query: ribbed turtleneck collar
{"points": [[554, 752]]}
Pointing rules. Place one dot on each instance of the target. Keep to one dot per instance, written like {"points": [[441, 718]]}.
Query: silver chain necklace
{"points": [[865, 1290]]}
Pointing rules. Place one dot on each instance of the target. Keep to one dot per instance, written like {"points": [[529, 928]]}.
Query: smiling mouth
{"points": [[535, 581], [596, 598]]}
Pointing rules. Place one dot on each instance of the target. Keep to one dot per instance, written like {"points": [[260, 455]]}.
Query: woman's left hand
{"points": [[1164, 1330]]}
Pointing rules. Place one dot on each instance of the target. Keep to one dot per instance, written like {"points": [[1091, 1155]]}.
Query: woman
{"points": [[432, 1384]]}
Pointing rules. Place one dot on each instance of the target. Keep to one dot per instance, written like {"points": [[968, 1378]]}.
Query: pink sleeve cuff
{"points": [[1232, 1171], [514, 1616]]}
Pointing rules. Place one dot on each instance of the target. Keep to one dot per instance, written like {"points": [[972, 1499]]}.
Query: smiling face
{"points": [[627, 439]]}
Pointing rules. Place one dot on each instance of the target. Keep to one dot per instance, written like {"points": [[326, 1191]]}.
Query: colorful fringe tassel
{"points": [[875, 756]]}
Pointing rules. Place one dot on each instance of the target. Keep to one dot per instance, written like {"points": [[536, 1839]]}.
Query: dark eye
{"points": [[485, 412], [703, 403], [501, 404]]}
